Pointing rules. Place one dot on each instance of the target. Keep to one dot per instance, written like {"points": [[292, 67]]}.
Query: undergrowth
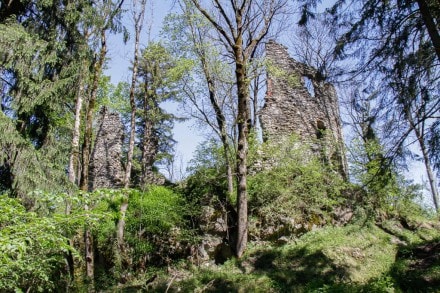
{"points": [[360, 257]]}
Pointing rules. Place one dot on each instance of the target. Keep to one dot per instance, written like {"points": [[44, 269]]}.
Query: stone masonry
{"points": [[298, 100], [106, 170]]}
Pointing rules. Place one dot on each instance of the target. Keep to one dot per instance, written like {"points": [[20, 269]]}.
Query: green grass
{"points": [[354, 258]]}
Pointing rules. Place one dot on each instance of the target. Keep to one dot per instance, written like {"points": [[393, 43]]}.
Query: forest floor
{"points": [[393, 256]]}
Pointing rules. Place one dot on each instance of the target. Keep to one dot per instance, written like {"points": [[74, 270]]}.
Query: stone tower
{"points": [[106, 170], [299, 101]]}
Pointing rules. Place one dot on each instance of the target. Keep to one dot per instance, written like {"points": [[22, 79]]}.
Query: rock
{"points": [[397, 241], [283, 240], [342, 215]]}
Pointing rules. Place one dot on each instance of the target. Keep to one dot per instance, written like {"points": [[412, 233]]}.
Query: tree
{"points": [[37, 77], [159, 74], [102, 16], [242, 26], [397, 43], [138, 19], [371, 168], [207, 88]]}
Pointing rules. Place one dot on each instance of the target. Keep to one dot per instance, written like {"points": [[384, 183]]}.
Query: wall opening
{"points": [[309, 85], [320, 129]]}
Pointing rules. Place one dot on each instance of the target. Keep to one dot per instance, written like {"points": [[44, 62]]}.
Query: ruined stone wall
{"points": [[299, 101], [106, 170]]}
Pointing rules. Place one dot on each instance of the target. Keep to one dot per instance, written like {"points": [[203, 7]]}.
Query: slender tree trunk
{"points": [[242, 152], [74, 160], [221, 121], [74, 153], [431, 176], [89, 254], [87, 145], [88, 135], [138, 19], [149, 143], [430, 25], [255, 100]]}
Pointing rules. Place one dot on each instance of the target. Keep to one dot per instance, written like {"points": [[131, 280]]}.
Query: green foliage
{"points": [[293, 183], [26, 168], [37, 74], [385, 189], [154, 223], [208, 174], [33, 246], [155, 211]]}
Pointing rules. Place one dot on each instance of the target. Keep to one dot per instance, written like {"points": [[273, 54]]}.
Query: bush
{"points": [[294, 184], [32, 249], [154, 223]]}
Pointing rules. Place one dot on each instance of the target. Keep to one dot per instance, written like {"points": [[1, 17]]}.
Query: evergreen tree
{"points": [[396, 43], [159, 74]]}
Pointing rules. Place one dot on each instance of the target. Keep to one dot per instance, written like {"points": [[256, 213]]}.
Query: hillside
{"points": [[360, 257]]}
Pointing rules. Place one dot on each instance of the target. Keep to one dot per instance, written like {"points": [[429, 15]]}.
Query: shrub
{"points": [[294, 184], [32, 249], [153, 225]]}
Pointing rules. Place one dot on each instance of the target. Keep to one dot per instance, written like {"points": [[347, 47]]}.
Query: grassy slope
{"points": [[354, 258]]}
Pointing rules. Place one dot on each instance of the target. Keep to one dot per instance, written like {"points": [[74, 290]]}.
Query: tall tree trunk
{"points": [[74, 158], [419, 132], [430, 25], [138, 19], [149, 143], [87, 146], [431, 176], [90, 257], [243, 117], [74, 152], [88, 134], [221, 120]]}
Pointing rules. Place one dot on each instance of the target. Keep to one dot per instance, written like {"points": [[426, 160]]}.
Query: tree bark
{"points": [[430, 25], [74, 153], [221, 120], [138, 20], [243, 122], [89, 255], [232, 28], [431, 177], [88, 134], [87, 145], [149, 141]]}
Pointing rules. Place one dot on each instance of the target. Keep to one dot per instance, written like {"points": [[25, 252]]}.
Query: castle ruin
{"points": [[106, 169], [299, 101]]}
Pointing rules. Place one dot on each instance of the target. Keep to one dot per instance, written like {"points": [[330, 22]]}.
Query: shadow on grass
{"points": [[299, 270], [417, 267]]}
